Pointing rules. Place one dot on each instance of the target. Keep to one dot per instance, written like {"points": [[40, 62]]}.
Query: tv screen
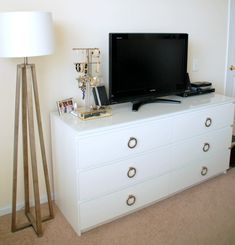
{"points": [[144, 66]]}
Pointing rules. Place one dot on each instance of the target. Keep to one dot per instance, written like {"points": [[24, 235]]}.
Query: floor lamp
{"points": [[27, 34]]}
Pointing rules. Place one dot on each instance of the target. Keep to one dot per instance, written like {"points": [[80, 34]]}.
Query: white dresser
{"points": [[106, 168]]}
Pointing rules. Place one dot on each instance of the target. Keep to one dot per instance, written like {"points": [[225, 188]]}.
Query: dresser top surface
{"points": [[123, 114]]}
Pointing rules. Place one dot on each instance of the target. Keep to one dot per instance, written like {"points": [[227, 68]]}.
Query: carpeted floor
{"points": [[202, 215]]}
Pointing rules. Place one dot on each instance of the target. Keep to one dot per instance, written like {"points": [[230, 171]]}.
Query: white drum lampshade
{"points": [[26, 34]]}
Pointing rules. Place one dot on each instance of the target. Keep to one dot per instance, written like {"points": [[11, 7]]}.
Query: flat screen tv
{"points": [[146, 66]]}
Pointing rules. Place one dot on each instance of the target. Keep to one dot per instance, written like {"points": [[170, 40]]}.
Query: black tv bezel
{"points": [[151, 95]]}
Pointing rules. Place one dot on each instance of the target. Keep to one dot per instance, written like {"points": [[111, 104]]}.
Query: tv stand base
{"points": [[136, 104]]}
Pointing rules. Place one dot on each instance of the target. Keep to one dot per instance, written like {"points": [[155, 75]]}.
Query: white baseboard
{"points": [[19, 206]]}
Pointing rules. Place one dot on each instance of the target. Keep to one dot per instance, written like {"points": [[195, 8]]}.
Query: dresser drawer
{"points": [[197, 171], [195, 123], [111, 206], [100, 149], [201, 147], [112, 177]]}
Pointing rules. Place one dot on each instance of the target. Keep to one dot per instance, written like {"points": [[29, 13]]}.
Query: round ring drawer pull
{"points": [[131, 200], [206, 147], [208, 122], [131, 172], [132, 143], [204, 171]]}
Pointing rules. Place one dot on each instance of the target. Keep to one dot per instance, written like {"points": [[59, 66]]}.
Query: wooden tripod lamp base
{"points": [[27, 96]]}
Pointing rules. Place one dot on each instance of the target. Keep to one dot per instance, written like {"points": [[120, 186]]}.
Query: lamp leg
{"points": [[25, 139], [15, 156], [38, 222], [43, 152]]}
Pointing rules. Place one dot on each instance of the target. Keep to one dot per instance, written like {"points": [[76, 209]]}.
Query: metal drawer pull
{"points": [[204, 171], [206, 147], [132, 143], [208, 122], [131, 172], [131, 200]]}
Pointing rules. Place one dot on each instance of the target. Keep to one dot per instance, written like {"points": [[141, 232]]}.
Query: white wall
{"points": [[87, 24]]}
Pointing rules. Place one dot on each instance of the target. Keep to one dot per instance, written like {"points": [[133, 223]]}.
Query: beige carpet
{"points": [[202, 215]]}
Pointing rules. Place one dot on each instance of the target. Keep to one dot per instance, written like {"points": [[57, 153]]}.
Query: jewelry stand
{"points": [[26, 72], [88, 68]]}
